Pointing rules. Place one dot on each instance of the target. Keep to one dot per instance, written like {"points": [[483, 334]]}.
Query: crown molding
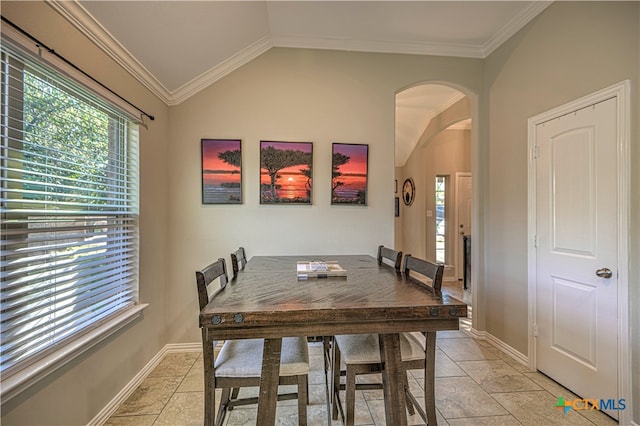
{"points": [[214, 74], [379, 46], [515, 25], [79, 17]]}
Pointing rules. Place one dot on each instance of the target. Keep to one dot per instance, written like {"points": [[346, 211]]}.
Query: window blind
{"points": [[69, 211]]}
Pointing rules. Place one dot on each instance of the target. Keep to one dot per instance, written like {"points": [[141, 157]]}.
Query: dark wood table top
{"points": [[267, 293]]}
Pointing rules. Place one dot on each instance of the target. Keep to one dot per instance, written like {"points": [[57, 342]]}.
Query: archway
{"points": [[437, 144]]}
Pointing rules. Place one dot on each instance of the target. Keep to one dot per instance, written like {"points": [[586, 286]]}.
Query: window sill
{"points": [[21, 380]]}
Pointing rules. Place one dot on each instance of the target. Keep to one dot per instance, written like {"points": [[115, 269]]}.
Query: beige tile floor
{"points": [[476, 384]]}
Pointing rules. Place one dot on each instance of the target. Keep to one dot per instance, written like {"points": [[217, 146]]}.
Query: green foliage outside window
{"points": [[60, 129]]}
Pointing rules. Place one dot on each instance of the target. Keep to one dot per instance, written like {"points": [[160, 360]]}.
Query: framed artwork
{"points": [[397, 206], [286, 172], [221, 171], [350, 164], [408, 191]]}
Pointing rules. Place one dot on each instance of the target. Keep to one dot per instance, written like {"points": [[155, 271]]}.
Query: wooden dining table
{"points": [[267, 300]]}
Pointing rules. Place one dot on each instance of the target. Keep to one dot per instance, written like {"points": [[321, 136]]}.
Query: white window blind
{"points": [[69, 212]]}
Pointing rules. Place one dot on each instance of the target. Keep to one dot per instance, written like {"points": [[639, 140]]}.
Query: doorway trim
{"points": [[621, 92], [458, 175]]}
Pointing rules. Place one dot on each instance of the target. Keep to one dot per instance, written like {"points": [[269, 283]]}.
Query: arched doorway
{"points": [[435, 149]]}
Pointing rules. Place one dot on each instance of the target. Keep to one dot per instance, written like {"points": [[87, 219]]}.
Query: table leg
{"points": [[269, 382], [392, 380], [209, 381], [429, 381]]}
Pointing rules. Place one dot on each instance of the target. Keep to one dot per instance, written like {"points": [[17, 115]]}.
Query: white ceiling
{"points": [[177, 48]]}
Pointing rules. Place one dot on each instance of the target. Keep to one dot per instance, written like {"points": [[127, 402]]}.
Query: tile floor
{"points": [[476, 384]]}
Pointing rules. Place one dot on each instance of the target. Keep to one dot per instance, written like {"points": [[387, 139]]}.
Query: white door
{"points": [[463, 211], [577, 284]]}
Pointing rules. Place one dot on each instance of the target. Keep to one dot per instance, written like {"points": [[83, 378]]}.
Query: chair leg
{"points": [[335, 382], [303, 399], [429, 378], [224, 406], [326, 346], [234, 395], [350, 391], [410, 408]]}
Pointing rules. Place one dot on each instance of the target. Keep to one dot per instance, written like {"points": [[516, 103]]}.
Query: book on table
{"points": [[319, 269]]}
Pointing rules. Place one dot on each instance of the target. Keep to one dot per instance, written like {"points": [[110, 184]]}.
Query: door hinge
{"points": [[535, 330], [535, 241], [535, 152]]}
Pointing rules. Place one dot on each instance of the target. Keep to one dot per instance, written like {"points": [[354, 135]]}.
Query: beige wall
{"points": [[74, 394], [290, 95], [572, 49], [445, 154]]}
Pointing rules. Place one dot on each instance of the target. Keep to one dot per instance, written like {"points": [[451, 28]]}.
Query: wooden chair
{"points": [[395, 257], [385, 256], [433, 271], [239, 362], [238, 261], [360, 353]]}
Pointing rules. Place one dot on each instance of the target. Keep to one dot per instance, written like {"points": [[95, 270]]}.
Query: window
{"points": [[441, 252], [69, 212]]}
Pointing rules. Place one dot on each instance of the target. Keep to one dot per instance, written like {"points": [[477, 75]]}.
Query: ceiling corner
{"points": [[219, 71], [513, 26], [78, 16]]}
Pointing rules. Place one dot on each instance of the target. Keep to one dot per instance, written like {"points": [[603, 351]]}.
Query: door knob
{"points": [[604, 273]]}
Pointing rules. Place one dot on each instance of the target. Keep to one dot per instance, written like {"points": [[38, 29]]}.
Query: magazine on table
{"points": [[319, 269]]}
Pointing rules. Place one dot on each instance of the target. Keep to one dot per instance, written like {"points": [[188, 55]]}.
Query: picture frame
{"points": [[349, 173], [286, 172], [397, 206], [221, 171], [408, 191]]}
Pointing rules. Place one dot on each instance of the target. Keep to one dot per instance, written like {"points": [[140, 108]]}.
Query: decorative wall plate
{"points": [[408, 191]]}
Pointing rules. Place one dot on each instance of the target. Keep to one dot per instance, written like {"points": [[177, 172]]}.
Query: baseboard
{"points": [[499, 344], [183, 347], [104, 414], [481, 335]]}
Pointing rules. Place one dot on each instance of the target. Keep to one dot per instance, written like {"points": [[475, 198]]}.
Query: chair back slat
{"points": [[208, 275], [238, 261], [433, 271], [395, 257]]}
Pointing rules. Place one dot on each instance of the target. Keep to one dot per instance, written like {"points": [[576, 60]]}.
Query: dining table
{"points": [[267, 300]]}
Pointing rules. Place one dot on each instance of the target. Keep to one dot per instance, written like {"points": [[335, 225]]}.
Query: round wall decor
{"points": [[408, 191]]}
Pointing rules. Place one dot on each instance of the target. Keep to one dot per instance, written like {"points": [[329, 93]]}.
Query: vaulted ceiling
{"points": [[177, 48]]}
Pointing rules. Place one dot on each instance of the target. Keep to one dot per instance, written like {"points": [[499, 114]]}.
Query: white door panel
{"points": [[576, 200], [573, 191], [573, 331]]}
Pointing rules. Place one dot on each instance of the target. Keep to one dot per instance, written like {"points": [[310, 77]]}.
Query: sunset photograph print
{"points": [[285, 172], [221, 171], [350, 164]]}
